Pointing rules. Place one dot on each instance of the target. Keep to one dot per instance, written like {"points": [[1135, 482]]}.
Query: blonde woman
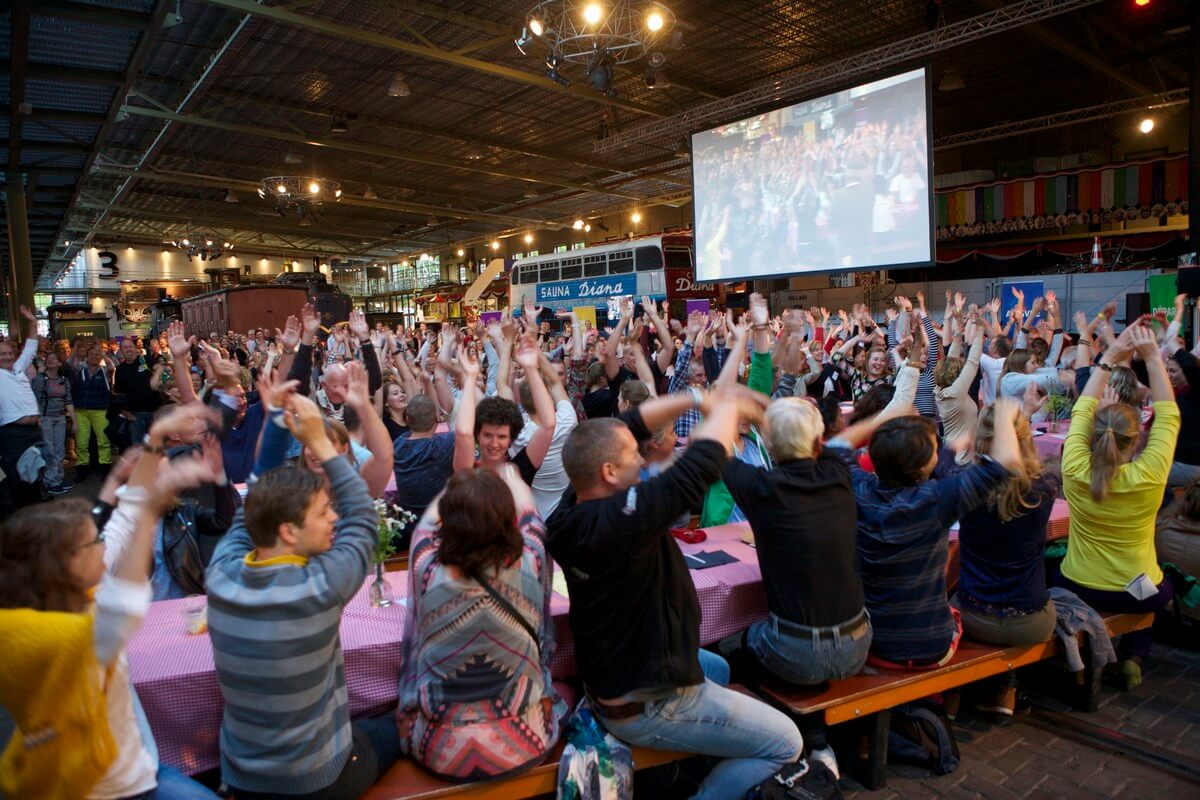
{"points": [[1114, 497]]}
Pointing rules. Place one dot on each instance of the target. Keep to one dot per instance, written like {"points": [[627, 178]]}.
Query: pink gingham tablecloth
{"points": [[176, 681]]}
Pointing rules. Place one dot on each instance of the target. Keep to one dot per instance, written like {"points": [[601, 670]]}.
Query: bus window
{"points": [[572, 268], [595, 266], [648, 258], [678, 258], [548, 272], [620, 262]]}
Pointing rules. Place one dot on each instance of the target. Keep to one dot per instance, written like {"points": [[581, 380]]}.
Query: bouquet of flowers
{"points": [[392, 522]]}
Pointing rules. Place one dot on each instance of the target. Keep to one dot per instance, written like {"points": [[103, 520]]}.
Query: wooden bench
{"points": [[870, 695], [409, 781]]}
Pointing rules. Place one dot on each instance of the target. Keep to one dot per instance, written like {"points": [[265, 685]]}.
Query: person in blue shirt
{"points": [[904, 517]]}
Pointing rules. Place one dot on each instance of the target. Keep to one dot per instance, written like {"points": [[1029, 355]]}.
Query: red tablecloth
{"points": [[1050, 445], [177, 685]]}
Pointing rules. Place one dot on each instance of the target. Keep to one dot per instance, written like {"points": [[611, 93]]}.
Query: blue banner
{"points": [[591, 290]]}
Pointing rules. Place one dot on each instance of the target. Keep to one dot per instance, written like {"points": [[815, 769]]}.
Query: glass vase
{"points": [[381, 596]]}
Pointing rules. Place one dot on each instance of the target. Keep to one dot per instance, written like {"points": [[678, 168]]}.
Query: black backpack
{"points": [[801, 780], [920, 734]]}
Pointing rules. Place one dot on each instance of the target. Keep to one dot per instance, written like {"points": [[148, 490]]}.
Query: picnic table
{"points": [[176, 681]]}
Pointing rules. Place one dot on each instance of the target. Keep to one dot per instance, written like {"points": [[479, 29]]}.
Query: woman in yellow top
{"points": [[1114, 498]]}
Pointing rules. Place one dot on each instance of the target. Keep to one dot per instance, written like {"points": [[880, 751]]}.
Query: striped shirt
{"points": [[278, 656]]}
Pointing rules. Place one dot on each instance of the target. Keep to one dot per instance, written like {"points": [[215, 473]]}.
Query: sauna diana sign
{"points": [[588, 288]]}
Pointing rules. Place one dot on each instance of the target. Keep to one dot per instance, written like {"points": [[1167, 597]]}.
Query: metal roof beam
{"points": [[422, 51], [95, 15], [1062, 119], [843, 71], [243, 249], [218, 182], [380, 151]]}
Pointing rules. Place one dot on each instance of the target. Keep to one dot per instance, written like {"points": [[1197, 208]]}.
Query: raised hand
{"points": [[185, 421], [960, 300], [358, 395], [358, 325], [469, 365], [178, 342], [648, 306], [1180, 299], [759, 313], [289, 337], [274, 393], [180, 474], [310, 322], [1033, 399], [527, 355], [695, 324], [28, 315], [903, 302], [227, 373], [304, 420], [1019, 296], [1051, 300], [1143, 341]]}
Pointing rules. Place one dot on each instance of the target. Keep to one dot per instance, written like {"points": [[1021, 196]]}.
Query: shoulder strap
{"points": [[507, 606]]}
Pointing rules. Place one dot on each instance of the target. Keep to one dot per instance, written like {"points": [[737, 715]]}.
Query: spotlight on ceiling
{"points": [[636, 217], [1146, 125], [339, 125], [314, 187], [577, 224], [399, 86], [552, 65], [231, 196], [369, 193], [474, 152], [522, 40], [495, 245], [654, 20], [592, 13], [600, 72], [460, 252], [656, 59], [536, 27], [529, 238], [587, 228], [431, 221]]}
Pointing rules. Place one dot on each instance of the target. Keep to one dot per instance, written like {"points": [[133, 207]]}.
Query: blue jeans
{"points": [[1182, 474], [754, 739], [174, 785], [807, 656]]}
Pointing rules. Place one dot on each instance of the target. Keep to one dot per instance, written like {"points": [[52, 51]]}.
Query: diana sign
{"points": [[588, 288]]}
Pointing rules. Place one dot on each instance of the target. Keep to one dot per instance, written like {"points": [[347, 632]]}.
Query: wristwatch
{"points": [[153, 449], [1103, 366]]}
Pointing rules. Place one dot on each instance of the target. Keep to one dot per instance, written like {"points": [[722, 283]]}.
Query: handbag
{"points": [[800, 780]]}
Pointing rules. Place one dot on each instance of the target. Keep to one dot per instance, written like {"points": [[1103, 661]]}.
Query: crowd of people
{"points": [[532, 442], [795, 197]]}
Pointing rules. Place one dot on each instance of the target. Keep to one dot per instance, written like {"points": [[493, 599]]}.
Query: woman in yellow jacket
{"points": [[1114, 498]]}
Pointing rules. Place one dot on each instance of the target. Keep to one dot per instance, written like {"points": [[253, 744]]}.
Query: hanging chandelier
{"points": [[205, 245], [298, 195], [597, 35]]}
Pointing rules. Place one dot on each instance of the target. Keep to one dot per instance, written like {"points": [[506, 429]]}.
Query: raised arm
{"points": [[543, 406], [666, 351], [464, 419], [377, 471], [370, 359], [611, 365], [301, 370]]}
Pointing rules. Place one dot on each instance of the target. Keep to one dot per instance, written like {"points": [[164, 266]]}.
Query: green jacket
{"points": [[718, 502]]}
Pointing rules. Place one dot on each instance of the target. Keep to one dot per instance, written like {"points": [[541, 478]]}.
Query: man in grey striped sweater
{"points": [[277, 585]]}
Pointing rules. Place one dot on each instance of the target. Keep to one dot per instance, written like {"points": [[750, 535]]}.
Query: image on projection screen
{"points": [[839, 182]]}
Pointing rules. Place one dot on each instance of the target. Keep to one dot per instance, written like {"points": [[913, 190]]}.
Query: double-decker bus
{"points": [[660, 266]]}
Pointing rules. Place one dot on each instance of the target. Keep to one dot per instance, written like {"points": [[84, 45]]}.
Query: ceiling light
{"points": [[369, 193], [460, 252], [424, 256], [587, 228], [536, 27], [495, 245], [636, 217], [577, 224], [431, 221], [314, 187], [656, 59], [654, 21], [398, 86], [1146, 125], [592, 13], [281, 188], [474, 152], [227, 245], [185, 242], [66, 243], [208, 242], [522, 40], [529, 238], [339, 125], [600, 71], [231, 196], [1141, 3]]}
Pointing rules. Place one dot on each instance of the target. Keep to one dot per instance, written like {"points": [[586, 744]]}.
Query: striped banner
{"points": [[1144, 184]]}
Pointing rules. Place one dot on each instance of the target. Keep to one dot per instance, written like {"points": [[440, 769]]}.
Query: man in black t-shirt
{"points": [[634, 612], [132, 382]]}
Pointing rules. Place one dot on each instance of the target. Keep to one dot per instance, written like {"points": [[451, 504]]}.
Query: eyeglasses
{"points": [[98, 540]]}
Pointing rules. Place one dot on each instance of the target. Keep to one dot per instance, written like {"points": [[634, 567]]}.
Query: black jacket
{"points": [[634, 613]]}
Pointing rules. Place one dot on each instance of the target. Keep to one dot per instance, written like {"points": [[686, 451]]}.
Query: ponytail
{"points": [[1114, 433]]}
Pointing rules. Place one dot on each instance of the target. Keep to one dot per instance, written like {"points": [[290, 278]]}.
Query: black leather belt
{"points": [[844, 629]]}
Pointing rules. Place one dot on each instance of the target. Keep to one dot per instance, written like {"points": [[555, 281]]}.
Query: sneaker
{"points": [[61, 488], [827, 757], [1001, 701]]}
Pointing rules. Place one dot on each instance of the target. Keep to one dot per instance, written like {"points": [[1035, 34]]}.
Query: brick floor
{"points": [[1016, 759]]}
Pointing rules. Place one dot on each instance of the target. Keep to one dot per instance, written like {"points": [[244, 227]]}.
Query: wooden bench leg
{"points": [[862, 748], [1087, 695]]}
